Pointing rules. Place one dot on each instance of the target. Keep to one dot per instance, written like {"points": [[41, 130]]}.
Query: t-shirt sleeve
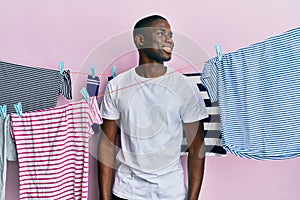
{"points": [[193, 108], [108, 107], [209, 78]]}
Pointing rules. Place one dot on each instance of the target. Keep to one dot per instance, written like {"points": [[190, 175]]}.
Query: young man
{"points": [[150, 104]]}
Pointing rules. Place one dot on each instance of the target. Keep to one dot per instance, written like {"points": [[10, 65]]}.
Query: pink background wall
{"points": [[81, 33]]}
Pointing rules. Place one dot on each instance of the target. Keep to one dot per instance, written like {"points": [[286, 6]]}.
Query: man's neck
{"points": [[151, 70]]}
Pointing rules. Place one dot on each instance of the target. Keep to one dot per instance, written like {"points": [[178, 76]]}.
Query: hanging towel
{"points": [[258, 88], [35, 88], [212, 125], [53, 150], [7, 152], [92, 86]]}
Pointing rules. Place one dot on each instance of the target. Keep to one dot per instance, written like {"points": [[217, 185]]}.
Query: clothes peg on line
{"points": [[18, 108], [219, 52], [61, 67], [93, 71], [85, 94], [114, 71], [3, 111]]}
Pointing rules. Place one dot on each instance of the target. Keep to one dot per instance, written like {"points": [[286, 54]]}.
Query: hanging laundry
{"points": [[65, 87], [258, 91], [53, 151], [8, 152], [92, 87], [212, 125], [35, 88]]}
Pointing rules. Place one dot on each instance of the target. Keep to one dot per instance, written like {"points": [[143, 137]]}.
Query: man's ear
{"points": [[139, 40]]}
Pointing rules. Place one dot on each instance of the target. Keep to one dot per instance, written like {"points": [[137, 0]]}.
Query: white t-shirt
{"points": [[150, 113]]}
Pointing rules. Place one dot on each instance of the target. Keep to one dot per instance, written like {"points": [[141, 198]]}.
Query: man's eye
{"points": [[160, 33]]}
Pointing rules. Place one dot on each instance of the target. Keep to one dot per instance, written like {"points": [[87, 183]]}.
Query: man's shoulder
{"points": [[122, 77], [177, 76]]}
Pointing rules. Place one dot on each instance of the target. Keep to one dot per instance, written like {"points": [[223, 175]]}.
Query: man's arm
{"points": [[196, 158], [106, 156]]}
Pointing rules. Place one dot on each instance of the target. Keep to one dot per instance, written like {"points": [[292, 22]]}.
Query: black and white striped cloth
{"points": [[212, 126], [35, 88], [66, 85]]}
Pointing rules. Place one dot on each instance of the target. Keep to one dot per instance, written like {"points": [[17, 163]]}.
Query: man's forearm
{"points": [[196, 162], [196, 158], [106, 163], [106, 157]]}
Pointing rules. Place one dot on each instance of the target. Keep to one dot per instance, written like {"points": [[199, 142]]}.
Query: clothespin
{"points": [[18, 108], [85, 94], [114, 71], [61, 68], [3, 111], [219, 52], [93, 71]]}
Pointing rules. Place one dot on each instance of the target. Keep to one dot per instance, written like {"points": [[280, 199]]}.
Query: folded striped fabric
{"points": [[212, 126], [35, 88], [258, 89]]}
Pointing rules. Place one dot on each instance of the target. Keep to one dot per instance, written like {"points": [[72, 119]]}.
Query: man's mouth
{"points": [[167, 49]]}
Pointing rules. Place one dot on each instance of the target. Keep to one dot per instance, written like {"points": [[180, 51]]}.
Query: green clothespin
{"points": [[93, 71], [61, 67], [85, 94], [114, 71], [219, 52], [18, 108], [3, 111]]}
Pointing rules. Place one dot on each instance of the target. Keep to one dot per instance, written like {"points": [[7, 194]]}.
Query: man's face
{"points": [[158, 42]]}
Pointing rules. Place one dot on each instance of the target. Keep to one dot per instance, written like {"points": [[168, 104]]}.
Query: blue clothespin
{"points": [[62, 67], [93, 71], [85, 94], [114, 71], [18, 108], [219, 52], [3, 111]]}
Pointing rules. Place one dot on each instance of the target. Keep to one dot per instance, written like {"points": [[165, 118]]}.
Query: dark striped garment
{"points": [[212, 126], [92, 85], [35, 88]]}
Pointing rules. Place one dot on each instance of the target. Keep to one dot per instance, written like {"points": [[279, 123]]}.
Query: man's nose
{"points": [[168, 38]]}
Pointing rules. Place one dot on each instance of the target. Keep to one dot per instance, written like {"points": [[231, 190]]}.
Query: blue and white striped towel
{"points": [[258, 89]]}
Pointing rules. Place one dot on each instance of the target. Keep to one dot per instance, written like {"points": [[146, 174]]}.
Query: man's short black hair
{"points": [[146, 22]]}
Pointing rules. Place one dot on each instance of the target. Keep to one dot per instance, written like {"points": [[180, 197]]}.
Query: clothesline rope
{"points": [[108, 75], [128, 86]]}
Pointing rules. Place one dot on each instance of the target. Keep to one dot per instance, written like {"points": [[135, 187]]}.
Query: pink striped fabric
{"points": [[52, 147]]}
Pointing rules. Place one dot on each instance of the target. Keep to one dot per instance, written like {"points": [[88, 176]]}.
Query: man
{"points": [[150, 104]]}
